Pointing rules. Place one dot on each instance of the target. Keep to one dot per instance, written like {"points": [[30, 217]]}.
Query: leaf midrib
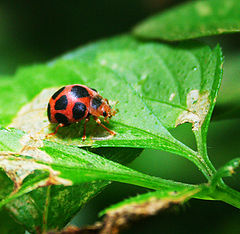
{"points": [[167, 103], [192, 152]]}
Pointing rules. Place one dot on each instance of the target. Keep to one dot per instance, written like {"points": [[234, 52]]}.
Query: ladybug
{"points": [[72, 103]]}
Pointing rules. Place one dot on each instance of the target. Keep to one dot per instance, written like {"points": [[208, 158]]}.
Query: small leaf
{"points": [[192, 20], [141, 206], [227, 170]]}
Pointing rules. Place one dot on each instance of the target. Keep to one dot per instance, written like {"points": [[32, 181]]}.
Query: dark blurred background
{"points": [[38, 31]]}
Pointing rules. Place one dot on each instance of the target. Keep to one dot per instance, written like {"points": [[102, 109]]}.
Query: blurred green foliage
{"points": [[194, 19], [37, 31]]}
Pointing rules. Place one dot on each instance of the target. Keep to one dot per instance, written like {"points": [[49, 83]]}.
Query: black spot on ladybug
{"points": [[61, 103], [79, 92], [54, 96], [61, 118], [49, 112], [94, 89], [79, 110], [104, 113], [96, 102]]}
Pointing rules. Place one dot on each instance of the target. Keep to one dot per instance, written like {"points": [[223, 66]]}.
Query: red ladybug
{"points": [[72, 103]]}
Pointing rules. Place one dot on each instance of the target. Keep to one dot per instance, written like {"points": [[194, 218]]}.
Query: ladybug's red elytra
{"points": [[72, 103]]}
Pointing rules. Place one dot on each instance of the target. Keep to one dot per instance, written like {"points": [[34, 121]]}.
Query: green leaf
{"points": [[168, 195], [144, 205], [65, 201], [192, 20], [148, 106], [227, 170], [182, 68], [84, 171], [186, 91]]}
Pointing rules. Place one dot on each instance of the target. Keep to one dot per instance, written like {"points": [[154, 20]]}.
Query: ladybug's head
{"points": [[101, 107]]}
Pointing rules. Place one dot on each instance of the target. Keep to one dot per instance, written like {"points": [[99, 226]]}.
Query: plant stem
{"points": [[227, 194], [222, 191], [202, 156]]}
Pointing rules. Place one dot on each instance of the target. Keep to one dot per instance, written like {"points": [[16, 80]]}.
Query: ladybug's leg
{"points": [[84, 129], [56, 130], [100, 123]]}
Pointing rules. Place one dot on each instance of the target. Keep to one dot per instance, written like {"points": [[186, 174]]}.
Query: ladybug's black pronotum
{"points": [[72, 103]]}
